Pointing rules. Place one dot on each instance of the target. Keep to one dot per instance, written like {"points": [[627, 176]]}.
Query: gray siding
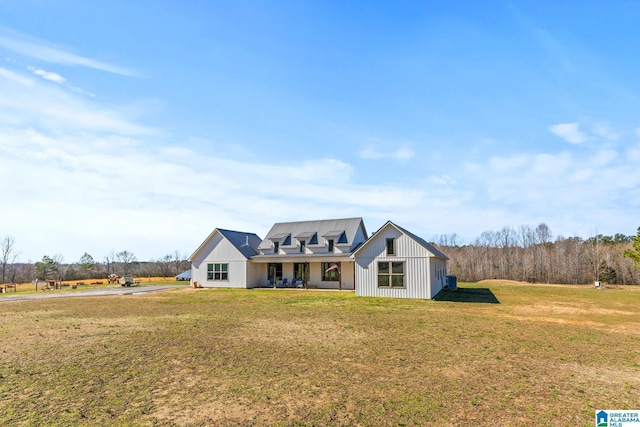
{"points": [[422, 271]]}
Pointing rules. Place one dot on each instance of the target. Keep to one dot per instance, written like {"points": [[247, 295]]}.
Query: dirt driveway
{"points": [[136, 290]]}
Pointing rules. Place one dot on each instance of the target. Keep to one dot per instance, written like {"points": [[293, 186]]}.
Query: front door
{"points": [[301, 271], [274, 271]]}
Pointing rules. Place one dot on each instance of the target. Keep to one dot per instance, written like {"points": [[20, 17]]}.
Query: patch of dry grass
{"points": [[542, 356]]}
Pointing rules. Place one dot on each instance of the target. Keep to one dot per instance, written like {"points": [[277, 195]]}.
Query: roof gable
{"points": [[428, 246], [245, 243]]}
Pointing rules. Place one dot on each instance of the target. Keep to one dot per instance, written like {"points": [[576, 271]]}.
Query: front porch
{"points": [[326, 273]]}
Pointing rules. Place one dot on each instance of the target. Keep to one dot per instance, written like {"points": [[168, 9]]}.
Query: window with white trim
{"points": [[218, 272], [390, 274]]}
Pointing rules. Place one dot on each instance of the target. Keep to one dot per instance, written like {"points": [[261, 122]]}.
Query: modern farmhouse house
{"points": [[324, 254]]}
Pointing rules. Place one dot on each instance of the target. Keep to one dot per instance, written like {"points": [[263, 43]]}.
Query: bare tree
{"points": [[165, 265], [179, 259], [60, 267], [127, 260], [109, 262], [447, 240], [8, 255], [27, 272]]}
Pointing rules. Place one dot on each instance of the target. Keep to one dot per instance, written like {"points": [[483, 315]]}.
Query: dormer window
{"points": [[339, 237], [276, 247], [391, 246], [330, 243], [303, 246]]}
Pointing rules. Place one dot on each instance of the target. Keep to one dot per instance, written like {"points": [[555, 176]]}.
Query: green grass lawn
{"points": [[498, 354]]}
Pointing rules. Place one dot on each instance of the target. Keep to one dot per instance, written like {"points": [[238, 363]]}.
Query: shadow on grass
{"points": [[468, 295]]}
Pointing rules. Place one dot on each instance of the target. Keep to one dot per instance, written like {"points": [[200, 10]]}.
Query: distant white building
{"points": [[325, 254]]}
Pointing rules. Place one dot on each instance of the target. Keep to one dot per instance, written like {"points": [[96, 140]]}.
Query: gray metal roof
{"points": [[184, 275], [279, 236], [322, 227], [305, 235], [246, 243]]}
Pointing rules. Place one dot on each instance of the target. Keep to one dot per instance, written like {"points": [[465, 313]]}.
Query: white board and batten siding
{"points": [[424, 274], [219, 250]]}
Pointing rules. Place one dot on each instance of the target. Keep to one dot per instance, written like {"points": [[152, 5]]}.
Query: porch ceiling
{"points": [[303, 258]]}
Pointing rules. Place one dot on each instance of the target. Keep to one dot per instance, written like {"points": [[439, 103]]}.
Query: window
{"points": [[391, 249], [276, 247], [390, 274], [274, 271], [330, 242], [218, 272], [301, 271], [303, 246], [330, 271]]}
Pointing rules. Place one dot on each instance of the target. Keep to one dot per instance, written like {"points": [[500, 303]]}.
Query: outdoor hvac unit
{"points": [[452, 283]]}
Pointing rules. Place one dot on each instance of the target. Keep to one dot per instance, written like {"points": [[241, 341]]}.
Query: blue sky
{"points": [[145, 125]]}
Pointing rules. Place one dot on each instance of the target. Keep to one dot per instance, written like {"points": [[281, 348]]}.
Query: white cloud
{"points": [[14, 77], [135, 193], [83, 92], [371, 153], [506, 164], [47, 75], [570, 191], [34, 103], [44, 51], [442, 180], [570, 132], [91, 181], [403, 153], [603, 130]]}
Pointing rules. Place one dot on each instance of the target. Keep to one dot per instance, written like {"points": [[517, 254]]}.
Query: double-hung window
{"points": [[218, 272], [390, 274]]}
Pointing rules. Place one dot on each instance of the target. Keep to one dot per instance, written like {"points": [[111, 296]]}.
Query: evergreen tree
{"points": [[86, 264], [634, 254], [46, 267]]}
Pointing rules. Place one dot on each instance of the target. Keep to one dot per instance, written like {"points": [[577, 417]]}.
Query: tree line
{"points": [[54, 267], [532, 254]]}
